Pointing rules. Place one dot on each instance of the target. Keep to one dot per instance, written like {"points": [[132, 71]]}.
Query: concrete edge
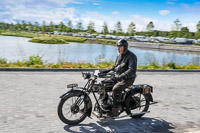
{"points": [[84, 70]]}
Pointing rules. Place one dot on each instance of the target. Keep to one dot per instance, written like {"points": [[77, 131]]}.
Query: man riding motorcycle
{"points": [[125, 68]]}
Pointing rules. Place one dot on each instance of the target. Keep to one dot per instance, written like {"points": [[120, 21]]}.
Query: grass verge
{"points": [[36, 62]]}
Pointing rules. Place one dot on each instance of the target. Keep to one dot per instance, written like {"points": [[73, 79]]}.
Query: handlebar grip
{"points": [[101, 75]]}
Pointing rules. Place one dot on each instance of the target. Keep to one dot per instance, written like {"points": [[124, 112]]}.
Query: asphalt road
{"points": [[28, 104]]}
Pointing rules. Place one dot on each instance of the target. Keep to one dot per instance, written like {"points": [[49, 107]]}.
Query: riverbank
{"points": [[162, 46], [61, 39], [36, 62], [19, 34], [56, 39]]}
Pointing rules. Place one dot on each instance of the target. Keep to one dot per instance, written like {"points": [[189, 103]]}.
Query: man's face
{"points": [[120, 49]]}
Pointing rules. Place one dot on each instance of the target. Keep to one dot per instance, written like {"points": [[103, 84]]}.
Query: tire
{"points": [[70, 113], [136, 103]]}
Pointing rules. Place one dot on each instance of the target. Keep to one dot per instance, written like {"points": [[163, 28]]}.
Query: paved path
{"points": [[28, 104]]}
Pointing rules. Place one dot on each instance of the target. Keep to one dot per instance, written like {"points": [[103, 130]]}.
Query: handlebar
{"points": [[97, 73]]}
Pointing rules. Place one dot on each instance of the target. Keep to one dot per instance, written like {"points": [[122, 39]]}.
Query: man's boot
{"points": [[114, 112]]}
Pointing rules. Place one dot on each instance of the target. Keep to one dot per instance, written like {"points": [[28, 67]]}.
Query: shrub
{"points": [[171, 65], [3, 61], [34, 60]]}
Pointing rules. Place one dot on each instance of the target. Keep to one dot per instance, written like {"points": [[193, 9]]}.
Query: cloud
{"points": [[141, 22], [190, 26], [115, 13], [13, 11], [29, 10], [164, 12], [97, 15], [171, 2], [96, 4], [97, 18], [197, 3]]}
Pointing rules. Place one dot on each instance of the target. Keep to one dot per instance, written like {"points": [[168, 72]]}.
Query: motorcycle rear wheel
{"points": [[71, 113], [137, 105]]}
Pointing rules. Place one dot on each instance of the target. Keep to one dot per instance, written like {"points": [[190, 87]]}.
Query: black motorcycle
{"points": [[75, 105]]}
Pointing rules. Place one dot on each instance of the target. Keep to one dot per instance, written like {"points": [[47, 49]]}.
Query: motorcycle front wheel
{"points": [[72, 109], [137, 105]]}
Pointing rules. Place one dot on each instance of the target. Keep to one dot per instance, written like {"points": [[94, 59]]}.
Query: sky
{"points": [[162, 13]]}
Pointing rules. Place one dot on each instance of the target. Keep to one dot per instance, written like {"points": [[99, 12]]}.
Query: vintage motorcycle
{"points": [[75, 105]]}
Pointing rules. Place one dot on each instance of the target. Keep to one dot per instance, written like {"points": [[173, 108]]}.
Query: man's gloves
{"points": [[117, 78], [107, 70]]}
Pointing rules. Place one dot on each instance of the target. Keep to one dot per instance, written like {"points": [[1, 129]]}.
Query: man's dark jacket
{"points": [[125, 66]]}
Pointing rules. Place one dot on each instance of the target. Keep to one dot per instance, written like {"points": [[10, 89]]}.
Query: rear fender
{"points": [[80, 93], [139, 89]]}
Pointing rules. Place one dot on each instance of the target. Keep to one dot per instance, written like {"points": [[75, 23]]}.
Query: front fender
{"points": [[80, 93]]}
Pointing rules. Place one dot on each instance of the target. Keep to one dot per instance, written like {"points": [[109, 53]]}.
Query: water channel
{"points": [[18, 48]]}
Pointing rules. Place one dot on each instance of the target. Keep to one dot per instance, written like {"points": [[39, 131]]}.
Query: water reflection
{"points": [[18, 48]]}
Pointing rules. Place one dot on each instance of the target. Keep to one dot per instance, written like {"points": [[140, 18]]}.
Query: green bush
{"points": [[19, 63], [191, 66], [171, 65], [34, 60], [3, 61]]}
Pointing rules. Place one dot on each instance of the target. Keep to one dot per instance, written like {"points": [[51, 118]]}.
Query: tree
{"points": [[118, 28], [131, 29], [36, 26], [184, 32], [90, 27], [197, 34], [18, 26], [69, 26], [198, 26], [12, 27], [51, 26], [79, 26], [105, 28], [29, 26], [150, 26], [61, 27], [23, 25], [113, 32], [177, 25], [44, 27]]}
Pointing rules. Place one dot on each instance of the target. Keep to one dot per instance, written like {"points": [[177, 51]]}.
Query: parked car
{"points": [[181, 40], [141, 38], [191, 41], [100, 36]]}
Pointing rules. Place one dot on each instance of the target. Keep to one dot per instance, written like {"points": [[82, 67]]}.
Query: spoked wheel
{"points": [[72, 109], [137, 105]]}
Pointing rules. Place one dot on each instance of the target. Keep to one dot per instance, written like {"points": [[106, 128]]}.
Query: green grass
{"points": [[58, 39], [197, 44], [100, 41], [170, 65], [18, 33], [55, 39], [36, 62], [48, 40]]}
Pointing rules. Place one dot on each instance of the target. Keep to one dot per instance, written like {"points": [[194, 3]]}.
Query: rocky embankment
{"points": [[177, 47]]}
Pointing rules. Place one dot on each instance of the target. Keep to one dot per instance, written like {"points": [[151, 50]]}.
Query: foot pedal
{"points": [[96, 114]]}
